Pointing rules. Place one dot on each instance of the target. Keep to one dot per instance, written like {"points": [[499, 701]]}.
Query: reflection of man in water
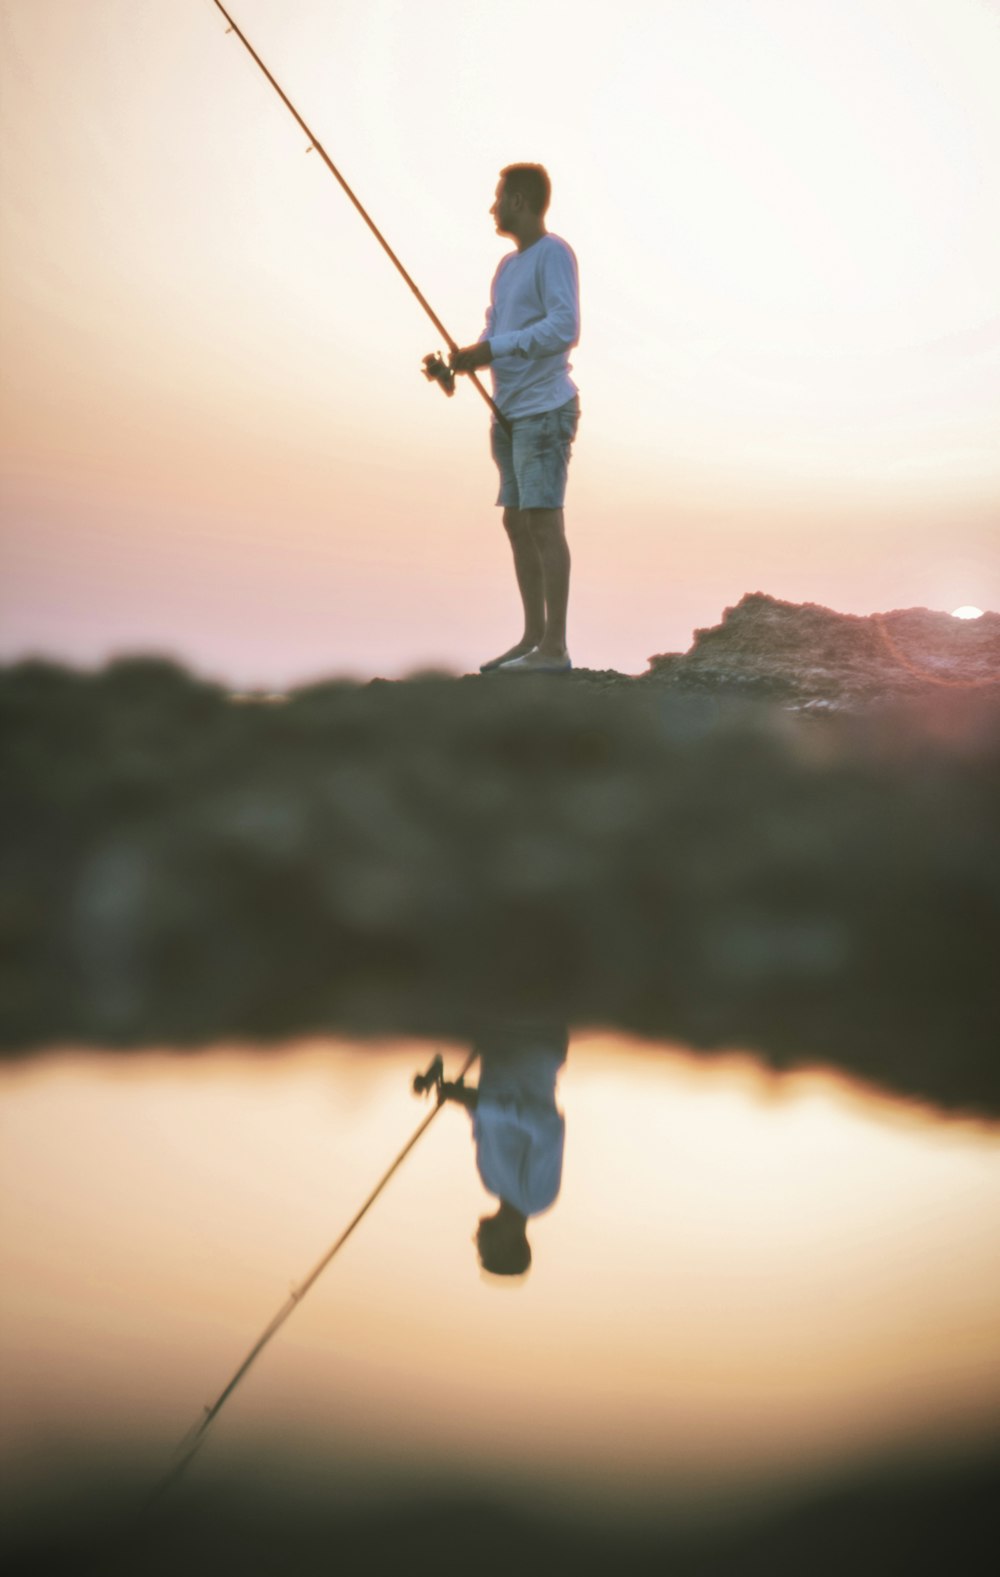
{"points": [[519, 1133]]}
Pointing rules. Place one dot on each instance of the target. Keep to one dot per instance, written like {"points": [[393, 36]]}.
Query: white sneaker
{"points": [[536, 662]]}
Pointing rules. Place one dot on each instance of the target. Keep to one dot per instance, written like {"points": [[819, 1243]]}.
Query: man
{"points": [[532, 322], [519, 1132]]}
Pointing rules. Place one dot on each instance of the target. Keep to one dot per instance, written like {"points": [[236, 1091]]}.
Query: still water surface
{"points": [[745, 1284]]}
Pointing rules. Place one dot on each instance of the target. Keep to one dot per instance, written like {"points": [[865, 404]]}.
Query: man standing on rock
{"points": [[532, 322]]}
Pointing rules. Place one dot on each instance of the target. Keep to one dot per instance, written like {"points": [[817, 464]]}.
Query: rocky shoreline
{"points": [[785, 840], [814, 659]]}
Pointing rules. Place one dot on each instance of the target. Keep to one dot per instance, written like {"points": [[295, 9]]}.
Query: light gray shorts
{"points": [[533, 460]]}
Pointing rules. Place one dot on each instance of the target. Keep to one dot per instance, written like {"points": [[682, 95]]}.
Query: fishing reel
{"points": [[431, 1078], [436, 370]]}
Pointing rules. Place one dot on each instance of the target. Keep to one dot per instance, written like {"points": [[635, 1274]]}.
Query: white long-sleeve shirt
{"points": [[532, 322], [519, 1131]]}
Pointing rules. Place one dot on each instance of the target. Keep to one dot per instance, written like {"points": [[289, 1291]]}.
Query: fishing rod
{"points": [[432, 1079], [434, 367]]}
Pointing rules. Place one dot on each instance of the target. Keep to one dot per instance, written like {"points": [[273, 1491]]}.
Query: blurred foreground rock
{"points": [[918, 1517], [414, 857]]}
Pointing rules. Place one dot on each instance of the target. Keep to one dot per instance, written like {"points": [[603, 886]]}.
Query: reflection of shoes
{"points": [[536, 662]]}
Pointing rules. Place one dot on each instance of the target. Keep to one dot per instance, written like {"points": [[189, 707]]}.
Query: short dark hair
{"points": [[532, 181], [501, 1252], [505, 1259]]}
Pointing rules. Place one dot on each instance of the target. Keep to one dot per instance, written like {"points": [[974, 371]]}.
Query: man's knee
{"points": [[544, 524], [515, 523]]}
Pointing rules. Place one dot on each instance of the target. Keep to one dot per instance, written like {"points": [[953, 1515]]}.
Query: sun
{"points": [[966, 612]]}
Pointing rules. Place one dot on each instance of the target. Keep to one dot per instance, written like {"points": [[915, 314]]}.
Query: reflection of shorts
{"points": [[534, 458]]}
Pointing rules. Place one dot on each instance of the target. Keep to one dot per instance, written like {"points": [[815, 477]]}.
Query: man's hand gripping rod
{"points": [[434, 368]]}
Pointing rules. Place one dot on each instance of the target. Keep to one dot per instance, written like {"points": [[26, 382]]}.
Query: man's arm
{"points": [[553, 334], [473, 356], [464, 1094], [559, 329]]}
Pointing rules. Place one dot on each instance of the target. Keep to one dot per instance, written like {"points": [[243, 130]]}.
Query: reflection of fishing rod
{"points": [[431, 1080], [434, 368]]}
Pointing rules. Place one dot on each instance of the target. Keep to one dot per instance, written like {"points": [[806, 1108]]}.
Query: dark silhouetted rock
{"points": [[918, 1517]]}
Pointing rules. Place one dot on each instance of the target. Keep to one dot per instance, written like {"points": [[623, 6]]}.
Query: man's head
{"points": [[503, 1244], [522, 197]]}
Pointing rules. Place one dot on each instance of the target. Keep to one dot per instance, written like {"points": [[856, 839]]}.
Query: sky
{"points": [[216, 440]]}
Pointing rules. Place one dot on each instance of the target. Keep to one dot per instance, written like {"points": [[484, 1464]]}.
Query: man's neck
{"points": [[529, 237]]}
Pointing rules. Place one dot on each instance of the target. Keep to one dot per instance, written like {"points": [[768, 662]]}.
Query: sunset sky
{"points": [[216, 439]]}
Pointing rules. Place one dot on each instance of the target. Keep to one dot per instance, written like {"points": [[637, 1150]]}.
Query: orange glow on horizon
{"points": [[216, 437]]}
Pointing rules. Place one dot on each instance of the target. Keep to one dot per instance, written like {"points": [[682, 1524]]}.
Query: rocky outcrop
{"points": [[811, 657], [414, 857]]}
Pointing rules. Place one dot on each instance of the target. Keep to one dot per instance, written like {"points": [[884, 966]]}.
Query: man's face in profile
{"points": [[502, 211]]}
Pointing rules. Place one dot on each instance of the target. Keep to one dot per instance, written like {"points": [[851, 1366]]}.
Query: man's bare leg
{"points": [[530, 582], [549, 536]]}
